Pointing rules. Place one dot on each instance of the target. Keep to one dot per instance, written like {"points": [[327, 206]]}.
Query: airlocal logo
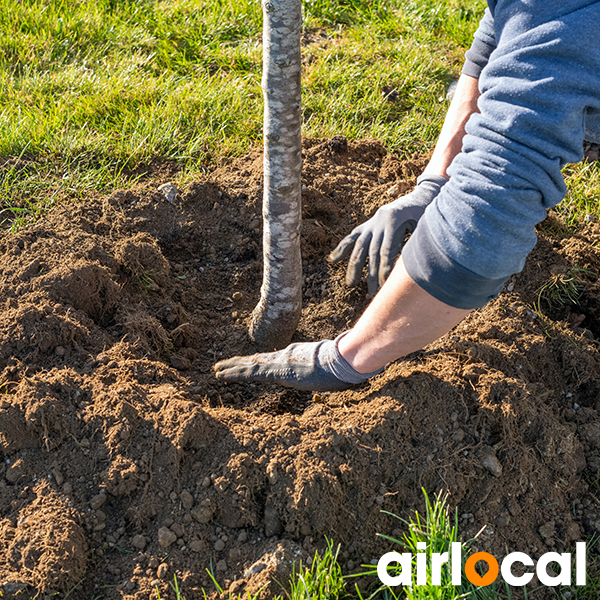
{"points": [[405, 560]]}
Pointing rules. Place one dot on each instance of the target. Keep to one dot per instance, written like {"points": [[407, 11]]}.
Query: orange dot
{"points": [[474, 577]]}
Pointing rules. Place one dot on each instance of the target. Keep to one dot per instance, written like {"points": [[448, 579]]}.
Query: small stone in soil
{"points": [[166, 537], [169, 191], [97, 501], [548, 530], [272, 522], [187, 500], [458, 435], [58, 476], [222, 565], [236, 586], [490, 461]]}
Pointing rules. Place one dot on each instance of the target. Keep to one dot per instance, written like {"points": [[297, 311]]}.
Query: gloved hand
{"points": [[381, 237], [316, 366]]}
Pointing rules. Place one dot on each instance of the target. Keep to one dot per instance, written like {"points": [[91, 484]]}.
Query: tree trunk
{"points": [[276, 316]]}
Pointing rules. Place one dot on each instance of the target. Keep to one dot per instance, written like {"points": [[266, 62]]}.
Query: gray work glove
{"points": [[382, 236], [316, 366]]}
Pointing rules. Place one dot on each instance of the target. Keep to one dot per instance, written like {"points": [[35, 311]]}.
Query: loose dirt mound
{"points": [[46, 547], [114, 312]]}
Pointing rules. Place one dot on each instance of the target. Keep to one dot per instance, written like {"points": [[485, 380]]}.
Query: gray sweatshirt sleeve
{"points": [[542, 79], [484, 43]]}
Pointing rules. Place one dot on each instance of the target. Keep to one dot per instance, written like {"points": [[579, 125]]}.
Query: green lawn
{"points": [[92, 92]]}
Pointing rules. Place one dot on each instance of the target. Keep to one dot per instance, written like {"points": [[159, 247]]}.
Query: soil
{"points": [[124, 462]]}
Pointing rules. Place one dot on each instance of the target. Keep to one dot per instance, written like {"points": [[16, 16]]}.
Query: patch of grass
{"points": [[582, 202], [561, 289], [175, 587], [146, 282], [92, 93], [558, 292], [222, 592], [323, 579], [437, 530]]}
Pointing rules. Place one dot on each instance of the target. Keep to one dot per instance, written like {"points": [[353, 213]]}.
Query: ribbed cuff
{"points": [[443, 278], [592, 127], [437, 179], [476, 58], [342, 369]]}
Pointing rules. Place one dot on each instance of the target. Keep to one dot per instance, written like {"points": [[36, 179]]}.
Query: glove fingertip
{"points": [[353, 276], [372, 287], [232, 374], [225, 364], [342, 249]]}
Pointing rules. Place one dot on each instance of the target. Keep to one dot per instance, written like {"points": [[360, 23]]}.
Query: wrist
{"points": [[344, 369], [352, 352]]}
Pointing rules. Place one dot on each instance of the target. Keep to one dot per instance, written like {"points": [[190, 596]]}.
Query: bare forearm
{"points": [[401, 319], [449, 144]]}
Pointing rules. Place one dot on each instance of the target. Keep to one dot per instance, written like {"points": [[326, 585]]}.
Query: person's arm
{"points": [[401, 319], [464, 102], [535, 92], [449, 144], [380, 239]]}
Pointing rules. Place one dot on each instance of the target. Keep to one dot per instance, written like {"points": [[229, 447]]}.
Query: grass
{"points": [[323, 579], [562, 289], [438, 531], [92, 94], [559, 291], [95, 94], [582, 200]]}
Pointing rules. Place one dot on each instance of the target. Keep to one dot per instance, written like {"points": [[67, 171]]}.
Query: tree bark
{"points": [[276, 316]]}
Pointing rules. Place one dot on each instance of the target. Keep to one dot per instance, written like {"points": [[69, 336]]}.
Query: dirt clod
{"points": [[138, 541], [97, 501], [547, 531], [47, 549], [187, 500], [16, 471]]}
